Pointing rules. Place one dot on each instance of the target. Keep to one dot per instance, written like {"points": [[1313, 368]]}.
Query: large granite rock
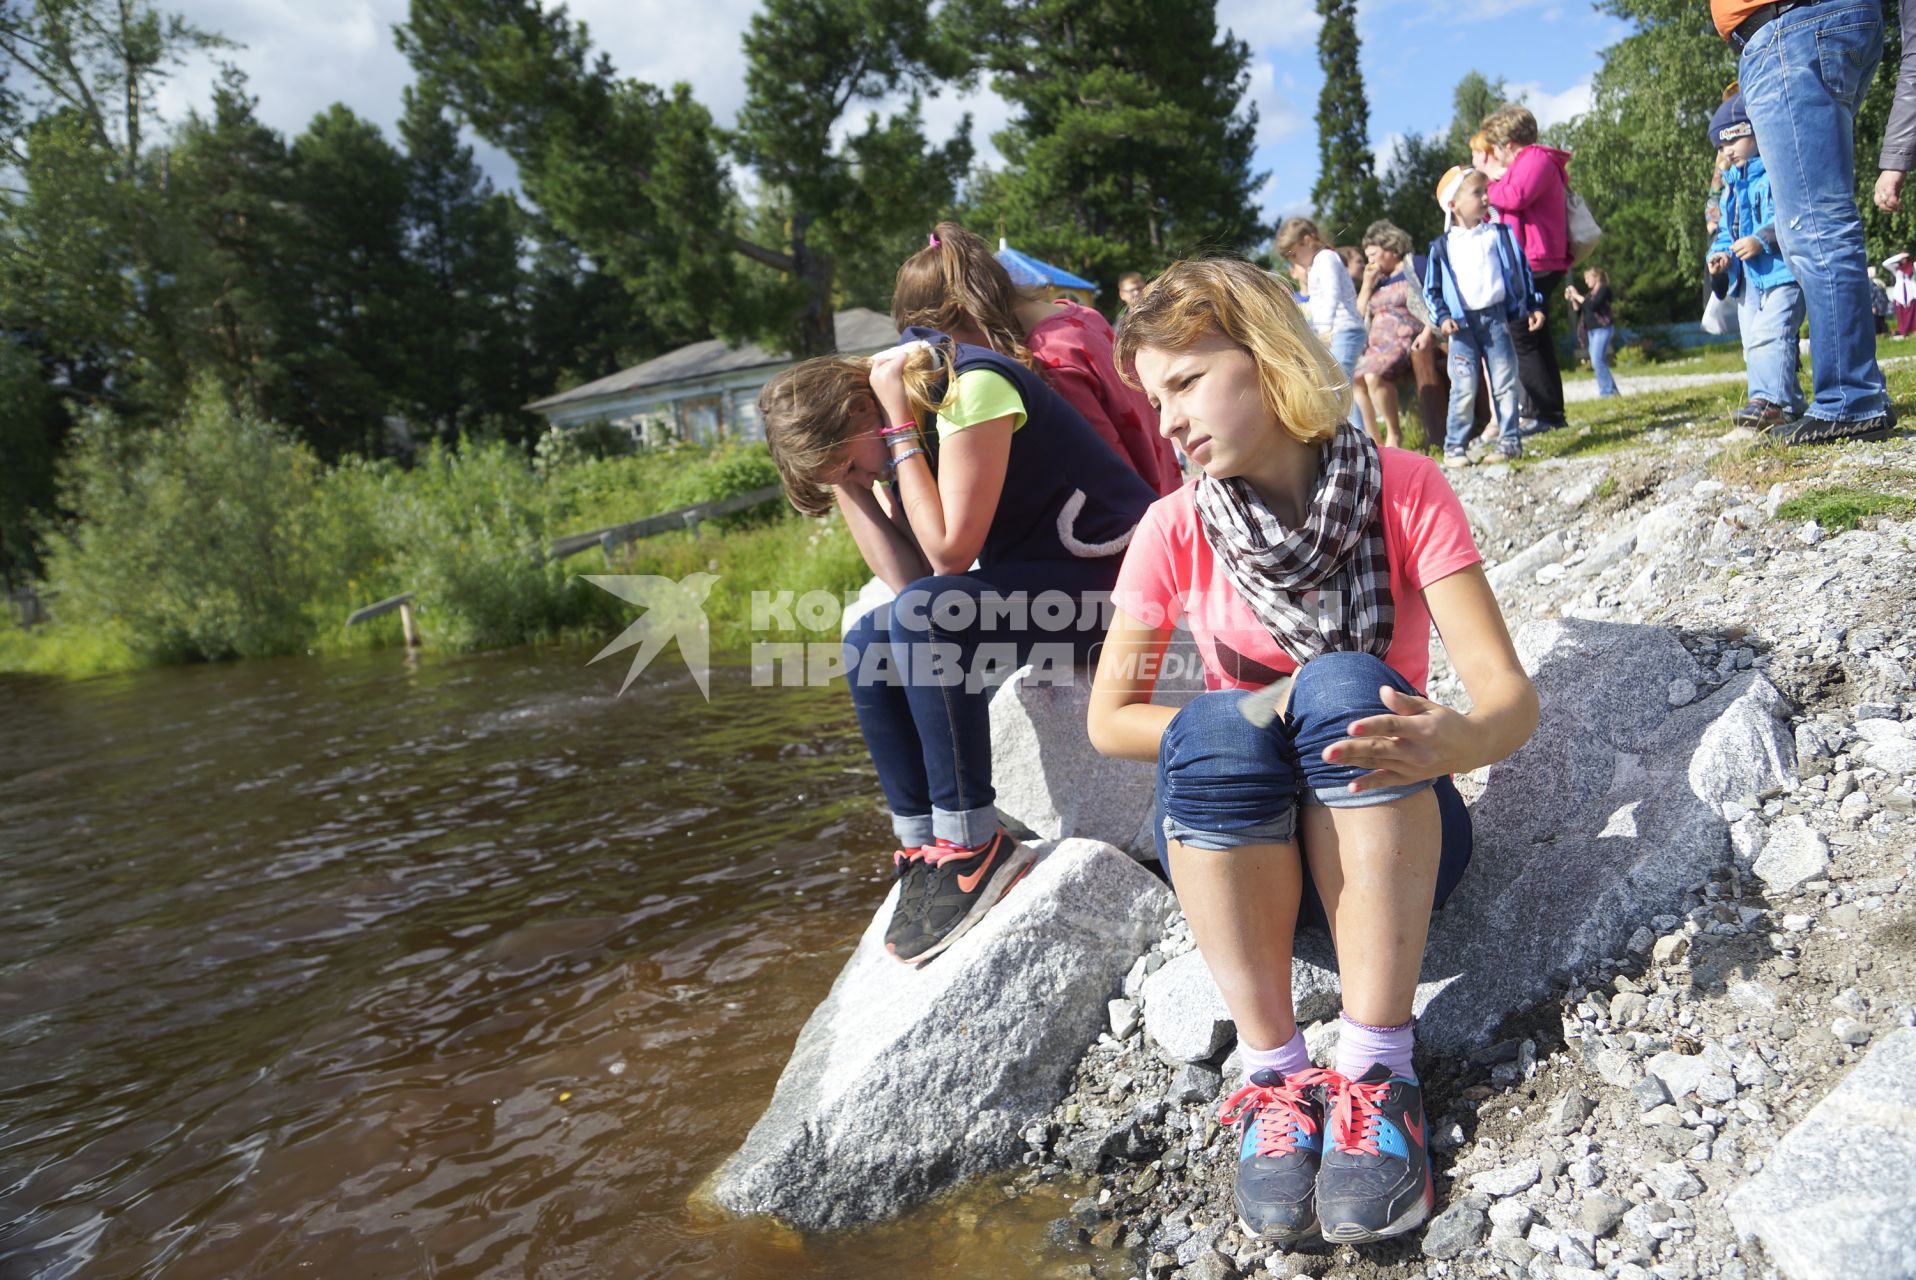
{"points": [[1052, 782], [1834, 1199], [905, 1080], [1610, 812], [1184, 1012]]}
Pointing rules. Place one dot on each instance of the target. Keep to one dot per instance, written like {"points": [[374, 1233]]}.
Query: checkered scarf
{"points": [[1338, 553]]}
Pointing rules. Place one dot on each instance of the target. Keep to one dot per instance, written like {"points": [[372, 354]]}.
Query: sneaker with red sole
{"points": [[907, 914], [1280, 1144], [1375, 1178], [962, 885]]}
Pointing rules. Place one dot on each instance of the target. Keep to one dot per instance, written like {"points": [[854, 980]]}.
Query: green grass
{"points": [[55, 650], [1841, 506]]}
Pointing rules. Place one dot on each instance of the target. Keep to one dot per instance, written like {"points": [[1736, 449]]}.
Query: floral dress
{"points": [[1392, 330]]}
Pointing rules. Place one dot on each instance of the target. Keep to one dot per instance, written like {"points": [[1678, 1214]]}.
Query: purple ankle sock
{"points": [[1360, 1046], [1287, 1059]]}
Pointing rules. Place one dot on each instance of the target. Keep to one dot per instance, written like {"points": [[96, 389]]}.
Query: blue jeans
{"points": [[1803, 77], [1223, 783], [1347, 345], [1769, 320], [1599, 340], [1482, 336], [923, 667]]}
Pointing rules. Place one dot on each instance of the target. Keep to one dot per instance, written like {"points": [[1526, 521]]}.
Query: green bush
{"points": [[731, 470], [190, 541]]}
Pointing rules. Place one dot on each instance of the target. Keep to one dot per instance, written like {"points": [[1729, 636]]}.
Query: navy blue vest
{"points": [[1067, 494]]}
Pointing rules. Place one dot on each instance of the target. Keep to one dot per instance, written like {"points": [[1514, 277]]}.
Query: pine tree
{"points": [[461, 364], [1346, 194], [1131, 144]]}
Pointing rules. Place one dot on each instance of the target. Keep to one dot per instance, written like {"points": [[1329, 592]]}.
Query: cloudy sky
{"points": [[302, 57]]}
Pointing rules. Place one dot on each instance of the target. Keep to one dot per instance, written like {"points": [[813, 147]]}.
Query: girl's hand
{"points": [[1535, 322], [888, 381], [1420, 741], [1423, 340]]}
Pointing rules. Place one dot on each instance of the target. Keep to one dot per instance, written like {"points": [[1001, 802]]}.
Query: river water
{"points": [[458, 967]]}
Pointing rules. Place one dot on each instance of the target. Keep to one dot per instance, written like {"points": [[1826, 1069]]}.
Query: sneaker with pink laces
{"points": [[1280, 1123]]}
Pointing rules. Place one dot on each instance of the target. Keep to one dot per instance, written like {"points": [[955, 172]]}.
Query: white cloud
{"points": [[1267, 24], [1552, 108]]}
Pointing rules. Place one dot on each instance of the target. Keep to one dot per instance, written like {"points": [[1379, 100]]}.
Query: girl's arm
{"points": [[951, 512], [888, 549], [1123, 720], [1517, 187], [1424, 739]]}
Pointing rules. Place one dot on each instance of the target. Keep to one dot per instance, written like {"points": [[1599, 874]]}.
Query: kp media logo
{"points": [[672, 609]]}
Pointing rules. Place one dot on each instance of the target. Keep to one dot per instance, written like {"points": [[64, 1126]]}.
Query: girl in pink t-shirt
{"points": [[1303, 548], [955, 286]]}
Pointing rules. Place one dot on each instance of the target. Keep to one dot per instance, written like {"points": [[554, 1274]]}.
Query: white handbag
{"points": [[1582, 225]]}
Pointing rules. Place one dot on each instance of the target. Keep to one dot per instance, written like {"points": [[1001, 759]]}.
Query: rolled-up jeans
{"points": [[922, 669], [1224, 783]]}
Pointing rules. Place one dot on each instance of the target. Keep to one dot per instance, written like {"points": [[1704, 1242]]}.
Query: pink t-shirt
{"points": [[1170, 575]]}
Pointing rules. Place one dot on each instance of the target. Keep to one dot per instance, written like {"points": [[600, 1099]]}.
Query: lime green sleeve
{"points": [[979, 395]]}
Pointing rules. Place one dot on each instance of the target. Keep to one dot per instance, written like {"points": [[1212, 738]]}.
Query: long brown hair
{"points": [[955, 283], [814, 408]]}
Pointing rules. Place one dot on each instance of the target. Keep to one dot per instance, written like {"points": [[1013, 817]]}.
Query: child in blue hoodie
{"points": [[1745, 263], [1476, 283]]}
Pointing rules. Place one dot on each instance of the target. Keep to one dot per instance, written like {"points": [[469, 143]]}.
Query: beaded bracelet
{"points": [[914, 452], [900, 429]]}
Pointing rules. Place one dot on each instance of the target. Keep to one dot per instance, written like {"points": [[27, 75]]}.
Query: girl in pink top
{"points": [[1303, 548], [955, 286]]}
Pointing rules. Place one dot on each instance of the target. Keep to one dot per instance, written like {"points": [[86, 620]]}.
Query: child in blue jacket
{"points": [[1476, 284], [1746, 263]]}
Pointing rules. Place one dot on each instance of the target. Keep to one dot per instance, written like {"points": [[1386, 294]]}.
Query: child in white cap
{"points": [[1477, 282]]}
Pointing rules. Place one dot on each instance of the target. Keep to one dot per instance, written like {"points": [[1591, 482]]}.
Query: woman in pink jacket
{"points": [[1527, 188]]}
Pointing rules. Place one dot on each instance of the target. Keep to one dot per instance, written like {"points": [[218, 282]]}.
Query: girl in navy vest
{"points": [[1000, 519]]}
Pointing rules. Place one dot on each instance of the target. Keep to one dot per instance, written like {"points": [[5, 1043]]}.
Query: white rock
{"points": [[905, 1081], [1893, 755], [1795, 852], [1674, 1181], [1507, 1180], [1183, 1011]]}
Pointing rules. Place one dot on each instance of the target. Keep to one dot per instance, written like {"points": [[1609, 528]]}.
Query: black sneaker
{"points": [[963, 884], [1808, 430], [1375, 1180], [907, 916], [1280, 1142], [1757, 412]]}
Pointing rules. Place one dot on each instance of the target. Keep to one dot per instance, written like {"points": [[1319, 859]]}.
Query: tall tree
{"points": [[459, 348], [1346, 194], [1643, 158], [1475, 97], [1130, 143], [1409, 186], [637, 176]]}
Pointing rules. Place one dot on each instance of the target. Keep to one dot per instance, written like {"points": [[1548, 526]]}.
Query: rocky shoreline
{"points": [[1638, 1122]]}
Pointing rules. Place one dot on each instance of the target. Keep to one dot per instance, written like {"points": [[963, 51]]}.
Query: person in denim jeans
{"points": [[1803, 72], [1476, 283], [1303, 548], [1599, 325], [1744, 264]]}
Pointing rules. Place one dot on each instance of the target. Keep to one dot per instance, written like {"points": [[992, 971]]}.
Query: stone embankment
{"points": [[1666, 1021], [1709, 1070]]}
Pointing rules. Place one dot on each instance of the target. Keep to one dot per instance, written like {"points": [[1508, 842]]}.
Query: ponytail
{"points": [[954, 283]]}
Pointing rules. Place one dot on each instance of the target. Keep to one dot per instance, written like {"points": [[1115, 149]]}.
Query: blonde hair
{"points": [[1478, 142], [1512, 122], [812, 410], [955, 283], [1292, 232], [1302, 384]]}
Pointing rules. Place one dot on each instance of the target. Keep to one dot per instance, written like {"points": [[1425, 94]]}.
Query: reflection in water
{"points": [[463, 968]]}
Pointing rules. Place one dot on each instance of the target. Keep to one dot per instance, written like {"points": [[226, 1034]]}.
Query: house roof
{"points": [[856, 329], [1027, 271]]}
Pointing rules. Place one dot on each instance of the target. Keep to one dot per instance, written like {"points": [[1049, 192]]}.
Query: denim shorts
{"points": [[1224, 783]]}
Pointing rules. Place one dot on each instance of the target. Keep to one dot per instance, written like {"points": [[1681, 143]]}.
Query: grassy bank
{"points": [[220, 537]]}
